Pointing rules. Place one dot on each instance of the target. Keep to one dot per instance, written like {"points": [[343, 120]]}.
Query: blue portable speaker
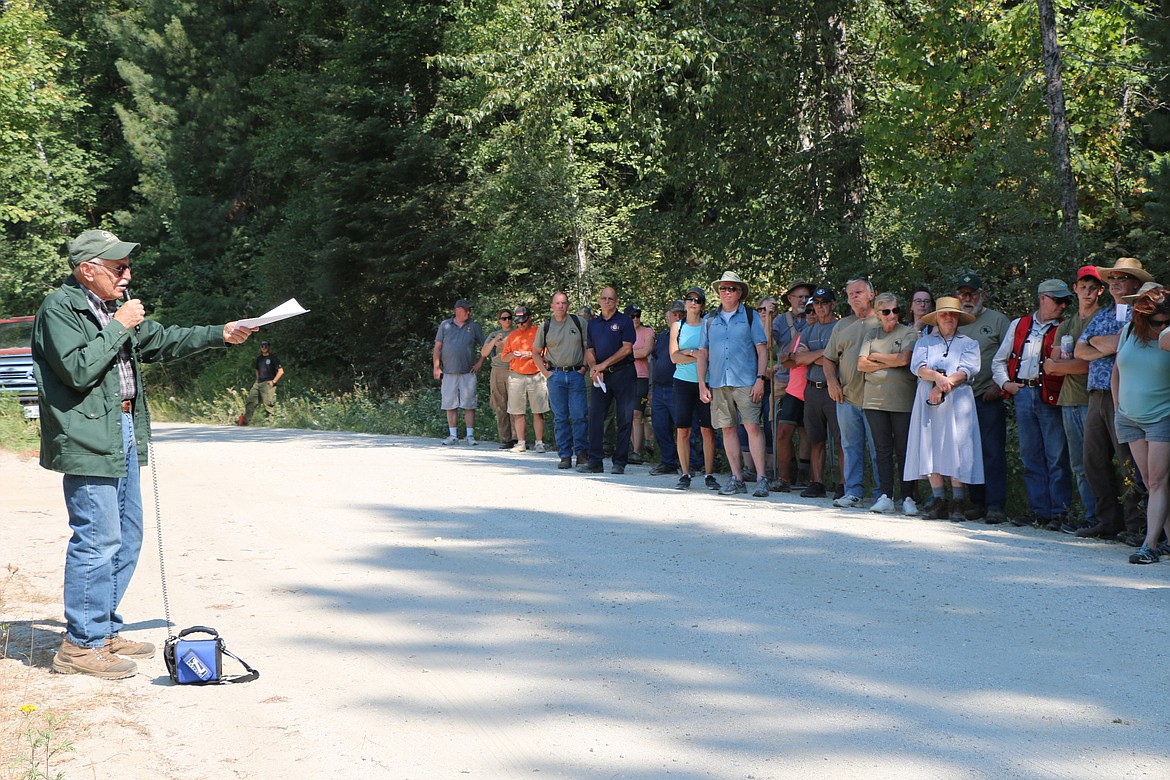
{"points": [[200, 661]]}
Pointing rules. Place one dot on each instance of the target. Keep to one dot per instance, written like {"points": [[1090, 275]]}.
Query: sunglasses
{"points": [[888, 312], [505, 316], [1162, 321], [728, 288], [694, 300], [763, 310], [117, 270], [1057, 301]]}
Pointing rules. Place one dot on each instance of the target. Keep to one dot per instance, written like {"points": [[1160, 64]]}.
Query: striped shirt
{"points": [[105, 311]]}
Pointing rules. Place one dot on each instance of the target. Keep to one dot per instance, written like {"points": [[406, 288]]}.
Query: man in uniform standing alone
{"points": [[263, 391]]}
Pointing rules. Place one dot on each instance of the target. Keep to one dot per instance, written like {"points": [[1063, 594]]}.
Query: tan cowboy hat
{"points": [[731, 277], [948, 304], [1126, 265]]}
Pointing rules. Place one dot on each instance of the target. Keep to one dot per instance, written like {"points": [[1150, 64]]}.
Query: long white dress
{"points": [[944, 439]]}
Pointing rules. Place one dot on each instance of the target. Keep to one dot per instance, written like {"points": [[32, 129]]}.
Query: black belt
{"points": [[1102, 392], [1028, 382], [819, 385], [127, 407], [565, 368], [619, 367]]}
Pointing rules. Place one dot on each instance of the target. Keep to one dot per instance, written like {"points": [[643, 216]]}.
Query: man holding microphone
{"points": [[93, 423]]}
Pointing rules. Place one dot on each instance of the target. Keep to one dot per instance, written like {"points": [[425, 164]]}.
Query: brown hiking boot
{"points": [[94, 661], [127, 649]]}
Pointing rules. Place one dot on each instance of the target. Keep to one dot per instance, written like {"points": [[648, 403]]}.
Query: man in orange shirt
{"points": [[526, 385]]}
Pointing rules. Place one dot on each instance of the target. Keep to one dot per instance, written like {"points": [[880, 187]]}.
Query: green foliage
{"points": [[46, 174]]}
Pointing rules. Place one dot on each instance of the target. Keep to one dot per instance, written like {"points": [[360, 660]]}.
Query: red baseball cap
{"points": [[1089, 270]]}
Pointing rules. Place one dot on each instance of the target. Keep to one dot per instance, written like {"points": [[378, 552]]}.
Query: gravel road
{"points": [[418, 611]]}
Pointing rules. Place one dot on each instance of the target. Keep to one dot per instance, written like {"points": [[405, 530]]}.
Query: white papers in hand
{"points": [[599, 382], [289, 308]]}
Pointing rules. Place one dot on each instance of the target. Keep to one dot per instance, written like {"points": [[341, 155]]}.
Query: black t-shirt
{"points": [[266, 367]]}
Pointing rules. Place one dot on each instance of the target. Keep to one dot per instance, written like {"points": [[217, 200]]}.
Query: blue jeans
{"points": [[855, 440], [566, 396], [1074, 431], [105, 515], [620, 393], [662, 420], [1043, 451], [992, 416]]}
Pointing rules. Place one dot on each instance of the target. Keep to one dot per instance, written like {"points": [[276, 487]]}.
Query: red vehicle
{"points": [[16, 363]]}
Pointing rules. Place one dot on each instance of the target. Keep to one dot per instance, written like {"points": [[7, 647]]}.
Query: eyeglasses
{"points": [[888, 312], [728, 288], [921, 301], [505, 316], [694, 300], [117, 270]]}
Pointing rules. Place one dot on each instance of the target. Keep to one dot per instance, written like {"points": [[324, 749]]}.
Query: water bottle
{"points": [[1066, 347]]}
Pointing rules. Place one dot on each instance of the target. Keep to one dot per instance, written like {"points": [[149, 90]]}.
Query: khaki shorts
{"points": [[458, 392], [728, 403], [527, 389]]}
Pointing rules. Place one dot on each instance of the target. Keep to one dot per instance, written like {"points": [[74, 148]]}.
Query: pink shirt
{"points": [[797, 377]]}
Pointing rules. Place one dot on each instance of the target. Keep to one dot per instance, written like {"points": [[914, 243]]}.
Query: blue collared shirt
{"points": [[1101, 369], [731, 348]]}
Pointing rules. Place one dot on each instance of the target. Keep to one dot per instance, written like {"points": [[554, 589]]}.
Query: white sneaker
{"points": [[472, 442], [450, 440], [883, 506], [848, 502], [520, 447], [539, 446], [909, 507]]}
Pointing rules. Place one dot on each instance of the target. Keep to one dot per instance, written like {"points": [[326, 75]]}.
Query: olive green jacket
{"points": [[77, 379]]}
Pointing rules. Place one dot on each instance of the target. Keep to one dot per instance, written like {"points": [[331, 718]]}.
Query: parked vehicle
{"points": [[16, 363]]}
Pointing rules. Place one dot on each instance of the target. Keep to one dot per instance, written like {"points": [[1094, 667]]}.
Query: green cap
{"points": [[98, 245], [1055, 288]]}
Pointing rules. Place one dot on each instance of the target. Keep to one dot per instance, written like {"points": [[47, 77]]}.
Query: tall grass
{"points": [[16, 433]]}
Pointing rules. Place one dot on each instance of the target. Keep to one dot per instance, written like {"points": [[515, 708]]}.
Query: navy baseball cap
{"points": [[824, 294], [969, 280]]}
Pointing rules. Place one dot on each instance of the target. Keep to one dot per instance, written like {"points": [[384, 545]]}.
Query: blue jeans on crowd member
{"points": [[662, 421], [855, 440], [1074, 431], [105, 515], [992, 416], [620, 394], [1043, 451], [566, 396]]}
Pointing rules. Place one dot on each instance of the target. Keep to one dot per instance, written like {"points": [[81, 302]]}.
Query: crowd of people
{"points": [[918, 387]]}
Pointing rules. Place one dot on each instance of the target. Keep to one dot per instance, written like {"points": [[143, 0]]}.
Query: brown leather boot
{"points": [[940, 511], [93, 661]]}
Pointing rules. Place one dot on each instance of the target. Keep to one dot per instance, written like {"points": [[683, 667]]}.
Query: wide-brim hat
{"points": [[797, 284], [98, 245], [948, 304], [1145, 288], [731, 277], [1126, 265]]}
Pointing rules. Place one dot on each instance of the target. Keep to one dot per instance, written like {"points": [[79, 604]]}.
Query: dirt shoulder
{"points": [[418, 611]]}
